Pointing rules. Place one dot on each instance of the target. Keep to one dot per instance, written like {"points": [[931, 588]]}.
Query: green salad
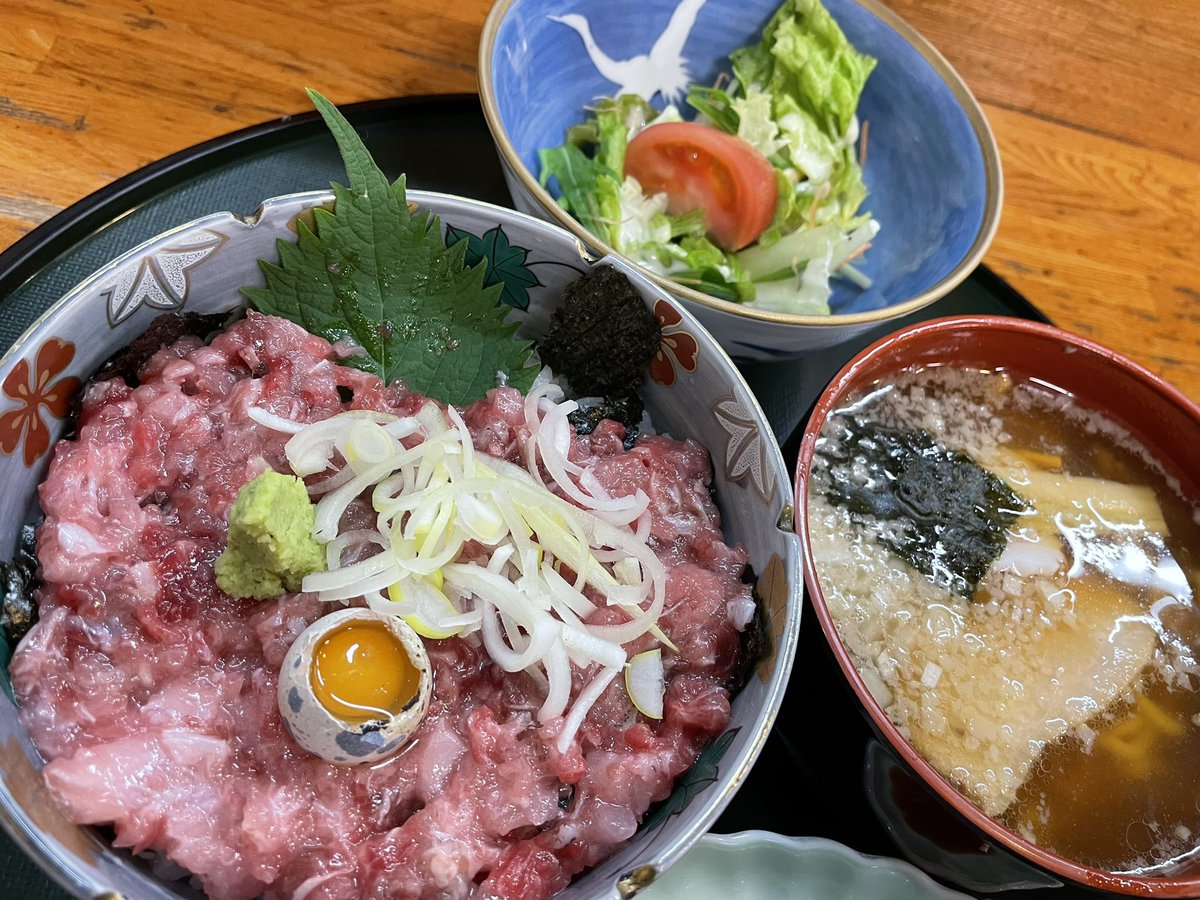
{"points": [[759, 199]]}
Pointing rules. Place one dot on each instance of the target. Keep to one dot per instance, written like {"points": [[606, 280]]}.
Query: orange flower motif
{"points": [[24, 422], [673, 345]]}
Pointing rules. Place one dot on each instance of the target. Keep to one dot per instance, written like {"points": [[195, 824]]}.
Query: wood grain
{"points": [[1093, 103]]}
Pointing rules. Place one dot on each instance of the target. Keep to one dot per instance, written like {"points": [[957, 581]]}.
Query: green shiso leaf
{"points": [[375, 274]]}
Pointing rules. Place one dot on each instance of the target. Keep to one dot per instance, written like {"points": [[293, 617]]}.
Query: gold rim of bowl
{"points": [[979, 124]]}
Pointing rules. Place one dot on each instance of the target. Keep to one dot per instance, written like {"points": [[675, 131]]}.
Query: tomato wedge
{"points": [[699, 167]]}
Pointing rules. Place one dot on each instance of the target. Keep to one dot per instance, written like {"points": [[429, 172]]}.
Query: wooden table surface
{"points": [[1095, 105]]}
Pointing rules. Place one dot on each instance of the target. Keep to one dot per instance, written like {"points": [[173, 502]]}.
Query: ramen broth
{"points": [[1061, 692]]}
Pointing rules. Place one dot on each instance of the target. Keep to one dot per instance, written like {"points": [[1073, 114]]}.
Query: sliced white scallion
{"points": [[583, 704], [588, 645], [645, 683], [524, 555], [364, 444], [274, 422], [428, 611], [347, 578], [338, 546], [310, 450], [558, 683]]}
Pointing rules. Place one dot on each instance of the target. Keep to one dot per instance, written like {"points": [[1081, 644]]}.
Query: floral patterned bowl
{"points": [[933, 168], [694, 390]]}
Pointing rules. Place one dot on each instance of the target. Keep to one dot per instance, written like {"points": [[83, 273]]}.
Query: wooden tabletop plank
{"points": [[1115, 68], [1116, 264], [1093, 103]]}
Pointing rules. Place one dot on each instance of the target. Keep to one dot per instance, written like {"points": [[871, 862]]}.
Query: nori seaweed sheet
{"points": [[601, 339], [165, 330], [626, 410], [18, 611], [755, 642], [935, 508], [127, 362]]}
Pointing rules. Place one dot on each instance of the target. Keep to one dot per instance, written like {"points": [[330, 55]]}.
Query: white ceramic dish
{"points": [[762, 865]]}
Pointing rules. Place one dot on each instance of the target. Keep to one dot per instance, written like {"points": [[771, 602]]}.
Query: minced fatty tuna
{"points": [[152, 694]]}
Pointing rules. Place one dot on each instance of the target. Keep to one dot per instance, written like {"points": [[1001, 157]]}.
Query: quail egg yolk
{"points": [[361, 671]]}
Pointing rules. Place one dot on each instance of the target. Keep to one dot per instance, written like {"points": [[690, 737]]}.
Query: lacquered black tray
{"points": [[811, 778]]}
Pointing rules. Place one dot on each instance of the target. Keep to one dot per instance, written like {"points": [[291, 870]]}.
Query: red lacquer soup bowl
{"points": [[1157, 415]]}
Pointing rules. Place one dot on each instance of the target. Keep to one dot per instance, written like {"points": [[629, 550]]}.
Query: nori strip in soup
{"points": [[937, 509]]}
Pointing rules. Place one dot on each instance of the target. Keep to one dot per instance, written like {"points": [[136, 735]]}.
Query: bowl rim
{"points": [[68, 874], [993, 179], [416, 195], [1134, 885]]}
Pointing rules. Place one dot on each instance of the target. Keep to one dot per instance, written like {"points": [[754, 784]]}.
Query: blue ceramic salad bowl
{"points": [[932, 168]]}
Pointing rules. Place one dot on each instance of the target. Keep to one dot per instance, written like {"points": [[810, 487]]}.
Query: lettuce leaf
{"points": [[756, 122], [589, 167], [716, 107], [815, 79], [702, 265], [805, 56], [587, 189]]}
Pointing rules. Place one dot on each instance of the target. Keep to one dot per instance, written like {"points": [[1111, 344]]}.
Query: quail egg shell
{"points": [[354, 686]]}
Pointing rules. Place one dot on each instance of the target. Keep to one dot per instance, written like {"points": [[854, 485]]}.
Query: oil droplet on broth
{"points": [[361, 671]]}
